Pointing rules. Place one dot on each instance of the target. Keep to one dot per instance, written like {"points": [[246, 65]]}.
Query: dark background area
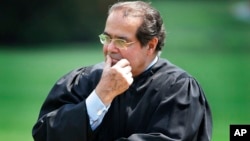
{"points": [[25, 22], [51, 21]]}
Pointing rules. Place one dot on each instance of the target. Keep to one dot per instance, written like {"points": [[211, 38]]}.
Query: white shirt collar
{"points": [[152, 63]]}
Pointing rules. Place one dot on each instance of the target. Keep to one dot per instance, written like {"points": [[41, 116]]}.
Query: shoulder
{"points": [[166, 70], [171, 76], [87, 72], [174, 80]]}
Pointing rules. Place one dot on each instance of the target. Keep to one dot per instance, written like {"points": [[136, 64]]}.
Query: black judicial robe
{"points": [[163, 104]]}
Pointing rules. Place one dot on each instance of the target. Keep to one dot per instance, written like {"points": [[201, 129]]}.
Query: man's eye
{"points": [[122, 42]]}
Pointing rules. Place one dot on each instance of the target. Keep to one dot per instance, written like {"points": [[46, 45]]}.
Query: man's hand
{"points": [[115, 80]]}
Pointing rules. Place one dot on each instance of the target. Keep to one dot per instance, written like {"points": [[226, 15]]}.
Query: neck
{"points": [[147, 66]]}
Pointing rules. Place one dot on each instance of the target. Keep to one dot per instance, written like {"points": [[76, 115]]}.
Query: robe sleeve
{"points": [[63, 115], [182, 115]]}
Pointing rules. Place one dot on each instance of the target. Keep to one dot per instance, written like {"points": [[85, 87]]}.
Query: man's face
{"points": [[120, 27]]}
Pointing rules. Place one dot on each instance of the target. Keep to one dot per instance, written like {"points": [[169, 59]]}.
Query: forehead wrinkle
{"points": [[125, 26]]}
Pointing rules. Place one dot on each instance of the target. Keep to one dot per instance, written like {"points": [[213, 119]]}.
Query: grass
{"points": [[28, 76], [203, 38]]}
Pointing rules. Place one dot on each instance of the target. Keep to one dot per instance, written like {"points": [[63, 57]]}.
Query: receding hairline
{"points": [[130, 8]]}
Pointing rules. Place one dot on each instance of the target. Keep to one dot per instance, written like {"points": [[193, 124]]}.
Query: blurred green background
{"points": [[210, 39]]}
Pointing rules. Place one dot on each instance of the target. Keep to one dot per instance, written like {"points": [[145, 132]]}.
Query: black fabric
{"points": [[163, 104]]}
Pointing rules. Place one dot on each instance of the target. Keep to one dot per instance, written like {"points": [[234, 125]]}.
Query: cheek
{"points": [[130, 55], [135, 58], [104, 50]]}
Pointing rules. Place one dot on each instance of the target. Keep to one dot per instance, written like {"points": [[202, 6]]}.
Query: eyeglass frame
{"points": [[122, 41]]}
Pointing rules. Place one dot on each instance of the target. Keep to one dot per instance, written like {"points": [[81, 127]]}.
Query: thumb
{"points": [[108, 61]]}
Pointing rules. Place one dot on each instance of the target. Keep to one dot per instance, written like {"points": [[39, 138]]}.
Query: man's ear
{"points": [[152, 45]]}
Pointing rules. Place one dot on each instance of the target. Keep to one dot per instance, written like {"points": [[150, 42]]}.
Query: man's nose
{"points": [[112, 47]]}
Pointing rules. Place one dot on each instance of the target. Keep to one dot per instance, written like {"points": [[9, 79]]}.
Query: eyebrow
{"points": [[118, 37]]}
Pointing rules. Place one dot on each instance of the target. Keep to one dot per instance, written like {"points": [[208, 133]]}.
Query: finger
{"points": [[108, 61], [130, 80], [122, 63], [127, 69], [130, 75]]}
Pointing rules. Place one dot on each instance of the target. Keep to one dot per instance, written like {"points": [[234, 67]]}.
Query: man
{"points": [[133, 96]]}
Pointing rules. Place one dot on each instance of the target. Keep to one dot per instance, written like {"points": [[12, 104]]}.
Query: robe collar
{"points": [[145, 78]]}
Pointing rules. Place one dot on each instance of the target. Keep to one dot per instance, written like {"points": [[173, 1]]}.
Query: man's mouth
{"points": [[115, 58], [114, 61]]}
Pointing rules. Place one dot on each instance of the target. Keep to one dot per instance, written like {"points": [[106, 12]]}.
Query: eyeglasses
{"points": [[119, 43]]}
